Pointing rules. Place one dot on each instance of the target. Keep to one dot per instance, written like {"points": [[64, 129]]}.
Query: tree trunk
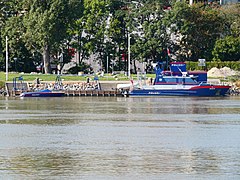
{"points": [[135, 67], [46, 60]]}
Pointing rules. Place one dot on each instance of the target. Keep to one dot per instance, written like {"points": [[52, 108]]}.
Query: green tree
{"points": [[46, 24], [88, 31], [96, 14], [232, 18], [7, 10], [20, 58], [227, 47], [143, 22], [196, 28], [152, 38], [116, 33]]}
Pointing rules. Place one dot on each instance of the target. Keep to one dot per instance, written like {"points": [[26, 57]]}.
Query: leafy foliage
{"points": [[43, 25], [47, 22], [227, 48], [2, 84], [80, 67], [154, 38], [232, 18], [196, 28], [41, 30]]}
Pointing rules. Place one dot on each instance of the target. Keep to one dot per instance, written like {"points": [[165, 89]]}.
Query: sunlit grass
{"points": [[52, 77]]}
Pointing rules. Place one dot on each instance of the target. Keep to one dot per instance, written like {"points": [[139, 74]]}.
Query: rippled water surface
{"points": [[120, 138]]}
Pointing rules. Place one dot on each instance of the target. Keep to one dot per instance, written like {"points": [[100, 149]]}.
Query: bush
{"points": [[2, 84], [81, 67], [227, 47], [235, 65]]}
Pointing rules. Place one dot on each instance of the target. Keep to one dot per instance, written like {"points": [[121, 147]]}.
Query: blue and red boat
{"points": [[56, 92], [178, 82], [43, 93]]}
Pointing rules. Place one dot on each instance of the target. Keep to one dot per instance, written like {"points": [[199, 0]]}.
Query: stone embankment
{"points": [[235, 89], [2, 92], [222, 72], [66, 86], [226, 72], [79, 85]]}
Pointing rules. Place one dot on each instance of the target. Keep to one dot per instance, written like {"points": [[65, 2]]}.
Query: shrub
{"points": [[81, 67], [227, 47], [235, 65], [2, 84]]}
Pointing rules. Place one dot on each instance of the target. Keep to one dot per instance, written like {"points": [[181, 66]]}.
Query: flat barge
{"points": [[105, 93]]}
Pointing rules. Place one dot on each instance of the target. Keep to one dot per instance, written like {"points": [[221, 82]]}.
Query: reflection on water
{"points": [[125, 138]]}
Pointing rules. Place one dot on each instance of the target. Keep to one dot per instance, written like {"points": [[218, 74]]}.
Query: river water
{"points": [[120, 138]]}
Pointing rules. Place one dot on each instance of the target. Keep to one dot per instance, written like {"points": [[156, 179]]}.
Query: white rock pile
{"points": [[222, 72]]}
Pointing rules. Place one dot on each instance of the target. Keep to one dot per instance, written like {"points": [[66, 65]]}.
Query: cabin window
{"points": [[170, 80], [189, 80], [179, 80], [185, 81]]}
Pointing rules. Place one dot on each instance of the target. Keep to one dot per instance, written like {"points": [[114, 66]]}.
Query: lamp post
{"points": [[128, 44], [107, 64], [15, 61], [6, 58], [129, 37], [129, 56], [191, 2]]}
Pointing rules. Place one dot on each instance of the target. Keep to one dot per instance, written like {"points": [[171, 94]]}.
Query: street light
{"points": [[129, 50], [107, 64], [15, 61], [6, 58], [129, 56], [129, 38]]}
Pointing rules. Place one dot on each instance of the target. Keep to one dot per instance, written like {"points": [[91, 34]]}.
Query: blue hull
{"points": [[44, 93], [221, 91]]}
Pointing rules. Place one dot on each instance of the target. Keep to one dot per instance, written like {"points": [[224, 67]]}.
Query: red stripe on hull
{"points": [[210, 87]]}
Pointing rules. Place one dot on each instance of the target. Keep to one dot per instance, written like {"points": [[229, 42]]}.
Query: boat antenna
{"points": [[184, 74]]}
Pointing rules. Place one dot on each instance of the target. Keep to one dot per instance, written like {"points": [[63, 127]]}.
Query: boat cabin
{"points": [[178, 68], [173, 80]]}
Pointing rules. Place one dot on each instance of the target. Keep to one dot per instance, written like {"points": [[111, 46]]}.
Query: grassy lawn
{"points": [[69, 77], [52, 77]]}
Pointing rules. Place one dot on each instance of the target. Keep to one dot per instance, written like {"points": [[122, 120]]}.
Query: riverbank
{"points": [[107, 81], [79, 87], [235, 88]]}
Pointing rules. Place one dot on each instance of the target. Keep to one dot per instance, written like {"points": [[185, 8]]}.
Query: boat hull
{"points": [[193, 91], [42, 94]]}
